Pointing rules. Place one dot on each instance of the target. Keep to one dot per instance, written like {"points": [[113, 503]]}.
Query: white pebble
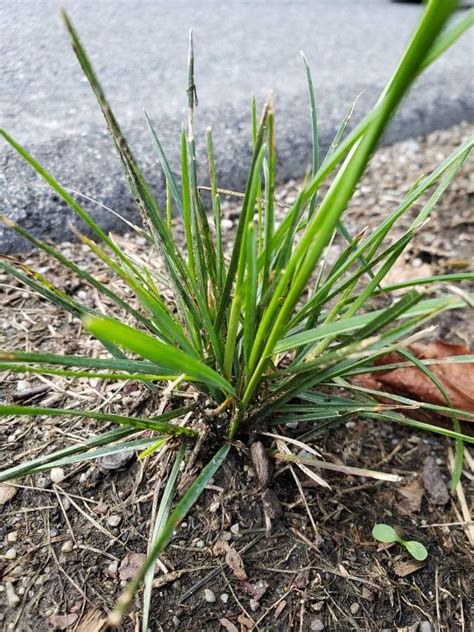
{"points": [[209, 596], [235, 528], [67, 547], [316, 625], [200, 544], [57, 475], [114, 520], [12, 597], [224, 597], [10, 554], [253, 605], [12, 536], [354, 608]]}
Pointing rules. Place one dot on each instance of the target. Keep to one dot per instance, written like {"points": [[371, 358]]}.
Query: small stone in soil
{"points": [[316, 625], [235, 528], [253, 605], [57, 475], [10, 554], [209, 595], [114, 520], [200, 544], [12, 536], [67, 547], [354, 608], [425, 626], [12, 597], [224, 597]]}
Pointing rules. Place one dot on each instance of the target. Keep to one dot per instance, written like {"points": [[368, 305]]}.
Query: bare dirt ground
{"points": [[67, 547]]}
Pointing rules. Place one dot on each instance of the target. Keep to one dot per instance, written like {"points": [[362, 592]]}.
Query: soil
{"points": [[67, 546]]}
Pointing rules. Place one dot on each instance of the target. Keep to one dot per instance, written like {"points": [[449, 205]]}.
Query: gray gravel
{"points": [[139, 51]]}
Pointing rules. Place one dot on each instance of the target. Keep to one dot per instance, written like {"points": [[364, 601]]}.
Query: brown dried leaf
{"points": [[255, 590], [62, 621], [457, 379], [131, 564], [434, 482], [412, 495], [232, 558]]}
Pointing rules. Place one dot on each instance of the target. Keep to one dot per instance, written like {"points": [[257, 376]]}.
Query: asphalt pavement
{"points": [[139, 50]]}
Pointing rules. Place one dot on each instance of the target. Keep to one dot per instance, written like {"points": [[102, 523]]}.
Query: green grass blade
{"points": [[314, 132], [97, 453], [250, 291], [351, 324], [170, 179], [161, 519], [155, 351], [81, 273], [459, 446], [157, 424], [247, 211], [178, 514], [106, 438]]}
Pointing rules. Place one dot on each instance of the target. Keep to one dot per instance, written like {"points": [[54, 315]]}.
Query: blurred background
{"points": [[139, 50]]}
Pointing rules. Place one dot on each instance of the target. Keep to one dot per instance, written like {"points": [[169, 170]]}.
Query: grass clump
{"points": [[264, 332]]}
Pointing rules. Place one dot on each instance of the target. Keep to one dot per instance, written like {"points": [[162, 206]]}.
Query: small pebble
{"points": [[10, 554], [224, 597], [12, 597], [354, 608], [200, 544], [175, 621], [57, 475], [209, 596], [12, 536], [425, 626], [253, 605], [67, 547], [112, 569], [235, 528], [316, 625], [114, 520], [66, 503]]}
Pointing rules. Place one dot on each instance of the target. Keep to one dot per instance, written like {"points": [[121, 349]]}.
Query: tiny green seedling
{"points": [[387, 534]]}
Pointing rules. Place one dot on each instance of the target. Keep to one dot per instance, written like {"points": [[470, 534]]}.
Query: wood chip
{"points": [[402, 569], [261, 463]]}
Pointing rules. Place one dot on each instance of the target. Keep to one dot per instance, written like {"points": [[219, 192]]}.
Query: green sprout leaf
{"points": [[385, 533], [416, 549]]}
